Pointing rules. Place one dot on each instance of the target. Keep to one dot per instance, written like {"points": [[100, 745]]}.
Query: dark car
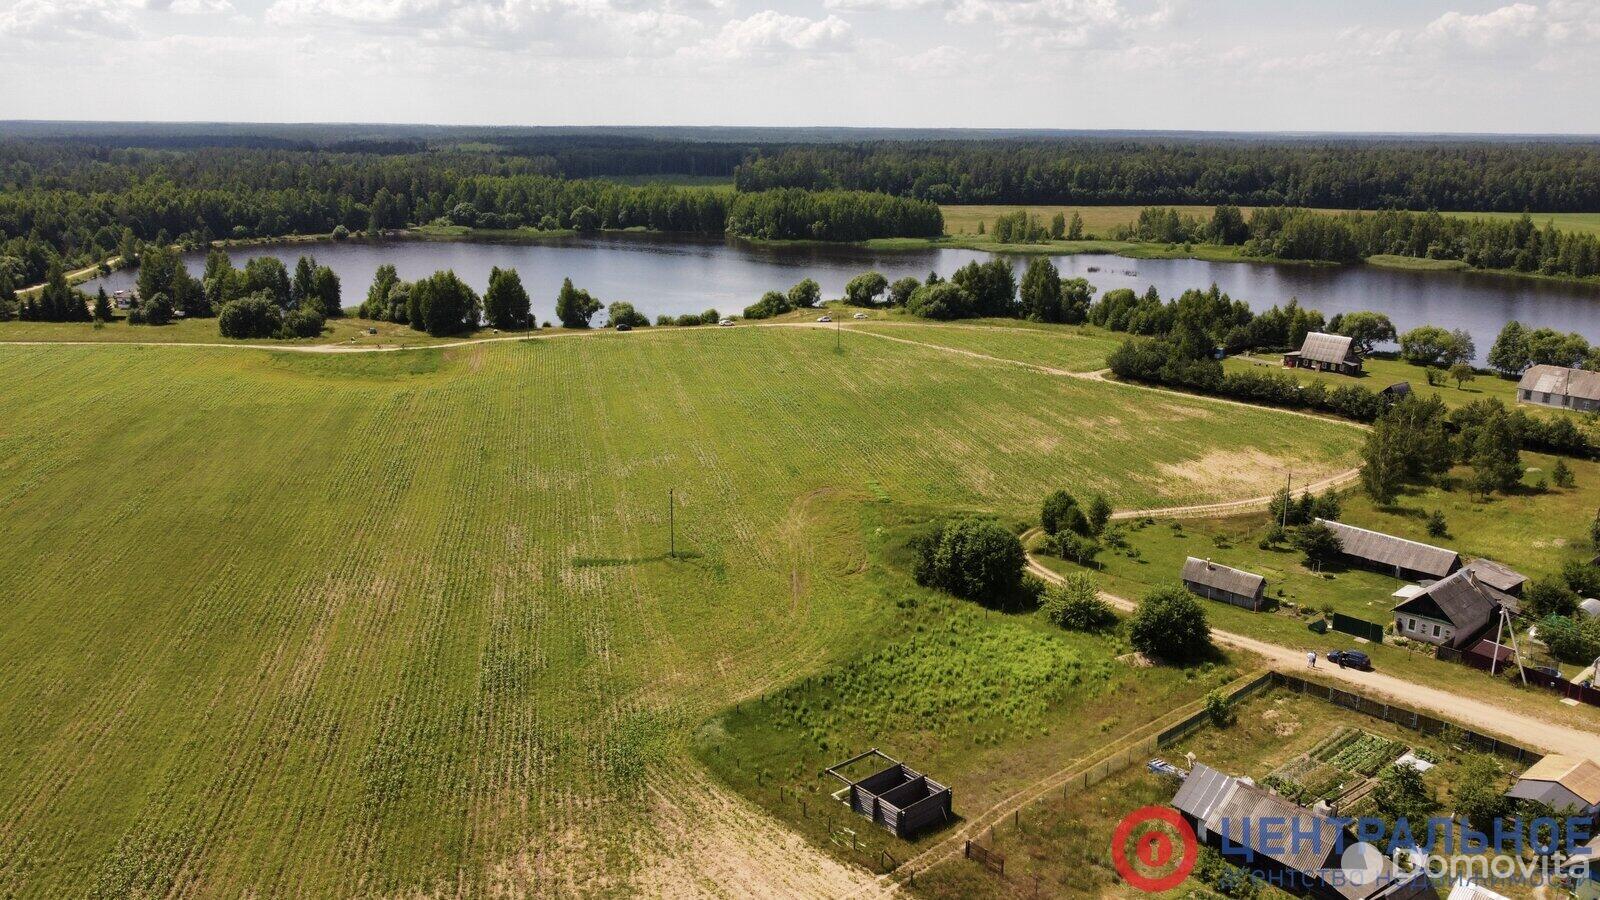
{"points": [[1350, 659], [624, 327], [1552, 671]]}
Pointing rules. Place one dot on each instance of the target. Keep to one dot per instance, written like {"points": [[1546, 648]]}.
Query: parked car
{"points": [[859, 316], [1552, 671], [824, 318], [624, 327], [1350, 659], [726, 323]]}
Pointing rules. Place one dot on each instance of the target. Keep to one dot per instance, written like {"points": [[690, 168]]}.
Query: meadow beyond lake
{"points": [[675, 275]]}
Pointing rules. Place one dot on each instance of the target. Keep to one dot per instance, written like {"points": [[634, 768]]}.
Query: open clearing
{"points": [[284, 623], [1098, 221]]}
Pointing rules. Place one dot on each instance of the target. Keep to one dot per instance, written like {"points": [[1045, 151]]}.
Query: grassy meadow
{"points": [[404, 623], [1100, 221]]}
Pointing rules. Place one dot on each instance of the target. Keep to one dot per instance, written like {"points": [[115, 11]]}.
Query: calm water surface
{"points": [[673, 275]]}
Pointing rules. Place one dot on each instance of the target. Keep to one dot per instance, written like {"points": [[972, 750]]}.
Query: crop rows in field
{"points": [[286, 625]]}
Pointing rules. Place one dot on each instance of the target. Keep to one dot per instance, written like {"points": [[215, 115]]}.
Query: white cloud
{"points": [[770, 34], [186, 7], [883, 5], [1063, 23], [63, 20]]}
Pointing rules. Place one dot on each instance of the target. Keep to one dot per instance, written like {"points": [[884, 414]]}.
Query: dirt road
{"points": [[1461, 708]]}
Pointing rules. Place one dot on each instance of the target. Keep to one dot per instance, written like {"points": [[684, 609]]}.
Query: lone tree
{"points": [[865, 289], [1317, 541], [1169, 625], [505, 304], [1461, 373], [805, 294], [574, 307], [1061, 513], [975, 559]]}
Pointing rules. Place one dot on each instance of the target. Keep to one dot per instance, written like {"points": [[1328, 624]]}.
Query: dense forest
{"points": [[1348, 174], [76, 194]]}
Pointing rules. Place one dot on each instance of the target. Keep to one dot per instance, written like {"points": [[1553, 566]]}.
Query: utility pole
{"points": [[1288, 479], [838, 335], [672, 526]]}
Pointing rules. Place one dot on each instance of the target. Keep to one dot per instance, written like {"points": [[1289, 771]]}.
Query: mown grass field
{"points": [[1099, 221], [348, 330], [286, 623]]}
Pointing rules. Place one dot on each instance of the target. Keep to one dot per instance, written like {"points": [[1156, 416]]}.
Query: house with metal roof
{"points": [[1218, 582], [1294, 845], [1560, 387], [1452, 612], [1563, 783], [1325, 353], [1397, 556]]}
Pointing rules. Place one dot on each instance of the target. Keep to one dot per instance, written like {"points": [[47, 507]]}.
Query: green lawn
{"points": [[1063, 842], [1073, 348], [1379, 372], [345, 331], [402, 623], [1533, 532], [1099, 221]]}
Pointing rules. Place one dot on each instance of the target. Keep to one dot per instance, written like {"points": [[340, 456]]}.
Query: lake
{"points": [[673, 275]]}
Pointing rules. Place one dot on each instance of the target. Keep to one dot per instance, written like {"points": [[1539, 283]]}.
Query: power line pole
{"points": [[1288, 479], [672, 526]]}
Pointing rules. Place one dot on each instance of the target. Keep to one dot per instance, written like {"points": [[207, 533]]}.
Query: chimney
{"points": [[1209, 566]]}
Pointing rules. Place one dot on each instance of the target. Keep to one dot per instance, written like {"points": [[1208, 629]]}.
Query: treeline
{"points": [[1498, 176], [1515, 244], [1172, 360], [831, 216]]}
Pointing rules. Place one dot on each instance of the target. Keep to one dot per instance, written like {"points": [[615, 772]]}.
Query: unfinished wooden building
{"points": [[902, 800]]}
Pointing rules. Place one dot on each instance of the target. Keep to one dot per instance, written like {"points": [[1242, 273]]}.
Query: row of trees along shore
{"points": [[1519, 245], [43, 223]]}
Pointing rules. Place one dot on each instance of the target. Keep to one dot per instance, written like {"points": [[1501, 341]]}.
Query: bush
{"points": [[1437, 526], [1075, 605], [1218, 710], [942, 301], [975, 559], [1582, 578], [1549, 597], [1569, 640], [772, 303], [623, 313], [1169, 625], [1317, 541], [255, 316], [1075, 548], [157, 310], [301, 323]]}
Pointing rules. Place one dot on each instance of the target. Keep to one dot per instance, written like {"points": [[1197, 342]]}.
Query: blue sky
{"points": [[1252, 65]]}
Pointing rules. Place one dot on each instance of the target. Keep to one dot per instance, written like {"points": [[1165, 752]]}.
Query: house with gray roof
{"points": [[1397, 556], [1218, 582], [1451, 612], [1325, 353], [1560, 387], [1286, 842]]}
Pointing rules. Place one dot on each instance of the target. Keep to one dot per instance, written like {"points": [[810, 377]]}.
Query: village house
{"points": [[1560, 387], [1502, 583], [1451, 612], [1325, 353], [1219, 582], [1410, 560], [1566, 784], [1298, 846]]}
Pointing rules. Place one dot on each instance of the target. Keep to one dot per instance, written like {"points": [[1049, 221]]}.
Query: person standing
{"points": [[1311, 658]]}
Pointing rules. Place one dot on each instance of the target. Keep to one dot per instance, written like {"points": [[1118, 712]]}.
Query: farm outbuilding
{"points": [[1560, 387], [1218, 582], [1564, 783], [1502, 582], [905, 802], [1325, 353], [1397, 556]]}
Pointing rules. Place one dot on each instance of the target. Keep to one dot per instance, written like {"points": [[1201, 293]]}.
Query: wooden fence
{"points": [[1361, 628]]}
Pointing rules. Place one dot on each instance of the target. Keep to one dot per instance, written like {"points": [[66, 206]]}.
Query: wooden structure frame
{"points": [[897, 797]]}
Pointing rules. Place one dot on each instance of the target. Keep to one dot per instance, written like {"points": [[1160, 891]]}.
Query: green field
{"points": [[284, 623], [344, 331], [1099, 221]]}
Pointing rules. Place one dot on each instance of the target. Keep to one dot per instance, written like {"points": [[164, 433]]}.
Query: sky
{"points": [[1222, 65]]}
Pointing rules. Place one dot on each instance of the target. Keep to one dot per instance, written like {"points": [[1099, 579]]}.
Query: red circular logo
{"points": [[1145, 845]]}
